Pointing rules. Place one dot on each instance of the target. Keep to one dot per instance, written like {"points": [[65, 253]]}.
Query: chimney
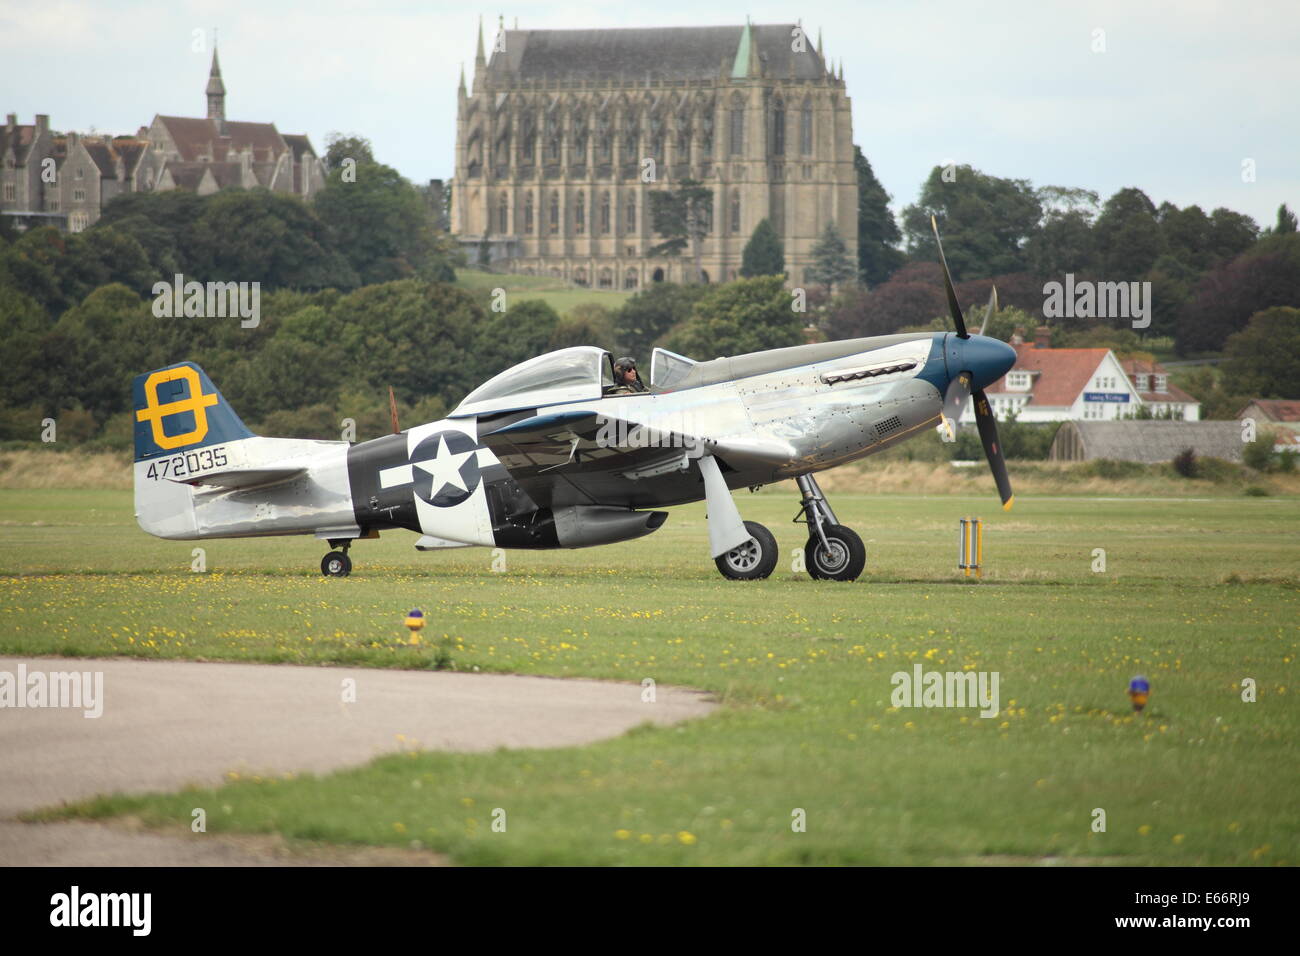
{"points": [[11, 121], [1043, 337], [1018, 336], [42, 123]]}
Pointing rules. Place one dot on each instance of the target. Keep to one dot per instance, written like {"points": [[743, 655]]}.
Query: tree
{"points": [[382, 225], [748, 315], [764, 254], [682, 216], [830, 264], [586, 324], [339, 147], [1231, 233], [886, 308], [647, 316], [259, 236], [507, 338], [1263, 359], [878, 235], [1225, 298], [985, 221], [1129, 239], [1286, 220]]}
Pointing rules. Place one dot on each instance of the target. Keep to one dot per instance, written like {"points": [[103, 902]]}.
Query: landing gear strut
{"points": [[833, 552], [337, 564]]}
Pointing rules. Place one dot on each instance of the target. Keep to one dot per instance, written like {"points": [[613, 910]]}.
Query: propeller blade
{"points": [[988, 427], [392, 409], [954, 402], [953, 307], [993, 307]]}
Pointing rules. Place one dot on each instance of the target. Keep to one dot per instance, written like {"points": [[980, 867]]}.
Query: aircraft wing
{"points": [[581, 457]]}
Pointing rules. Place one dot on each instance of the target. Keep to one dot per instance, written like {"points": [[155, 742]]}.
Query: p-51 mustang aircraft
{"points": [[552, 454]]}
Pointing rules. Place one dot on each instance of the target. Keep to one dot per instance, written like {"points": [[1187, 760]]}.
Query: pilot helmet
{"points": [[625, 363]]}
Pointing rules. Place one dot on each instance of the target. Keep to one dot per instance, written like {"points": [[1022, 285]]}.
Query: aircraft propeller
{"points": [[959, 389]]}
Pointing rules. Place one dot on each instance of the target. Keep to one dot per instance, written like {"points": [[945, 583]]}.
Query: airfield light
{"points": [[415, 621], [1139, 691]]}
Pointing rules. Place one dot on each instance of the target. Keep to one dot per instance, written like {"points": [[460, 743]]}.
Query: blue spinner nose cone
{"points": [[987, 359]]}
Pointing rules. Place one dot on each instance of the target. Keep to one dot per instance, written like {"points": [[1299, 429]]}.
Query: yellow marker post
{"points": [[970, 546]]}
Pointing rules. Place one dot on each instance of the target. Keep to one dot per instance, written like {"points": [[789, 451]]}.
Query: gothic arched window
{"points": [[631, 213], [778, 127], [528, 214], [604, 213], [805, 128], [735, 210], [554, 224], [580, 214], [737, 124], [503, 213]]}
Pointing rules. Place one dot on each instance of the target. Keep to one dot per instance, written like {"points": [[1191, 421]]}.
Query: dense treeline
{"points": [[356, 295], [1208, 272], [316, 358]]}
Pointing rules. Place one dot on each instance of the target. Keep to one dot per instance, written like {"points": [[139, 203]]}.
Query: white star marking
{"points": [[445, 468]]}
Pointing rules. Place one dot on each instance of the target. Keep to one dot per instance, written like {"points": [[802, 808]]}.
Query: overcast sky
{"points": [[1182, 95]]}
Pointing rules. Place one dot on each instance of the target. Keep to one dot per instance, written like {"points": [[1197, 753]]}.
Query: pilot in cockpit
{"points": [[626, 380]]}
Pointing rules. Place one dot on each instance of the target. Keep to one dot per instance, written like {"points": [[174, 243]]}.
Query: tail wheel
{"points": [[336, 564], [753, 560], [843, 560]]}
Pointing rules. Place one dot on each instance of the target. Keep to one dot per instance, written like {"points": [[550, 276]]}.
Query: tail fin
{"points": [[179, 409]]}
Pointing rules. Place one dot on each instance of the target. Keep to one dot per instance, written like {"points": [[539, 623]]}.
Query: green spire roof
{"points": [[740, 69]]}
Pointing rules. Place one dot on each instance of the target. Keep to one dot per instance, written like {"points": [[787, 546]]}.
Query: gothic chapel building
{"points": [[551, 145]]}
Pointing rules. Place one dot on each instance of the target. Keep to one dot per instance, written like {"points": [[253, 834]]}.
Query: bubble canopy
{"points": [[577, 374]]}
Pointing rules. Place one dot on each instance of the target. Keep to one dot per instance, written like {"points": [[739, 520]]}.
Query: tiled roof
{"points": [[186, 175], [195, 138], [655, 52], [1278, 410], [20, 138], [1062, 374], [102, 157], [300, 145]]}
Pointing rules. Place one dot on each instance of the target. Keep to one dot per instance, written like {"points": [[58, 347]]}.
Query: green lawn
{"points": [[1197, 595], [561, 295]]}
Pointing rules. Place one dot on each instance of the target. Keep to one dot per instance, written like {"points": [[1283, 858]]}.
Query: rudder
{"points": [[178, 408]]}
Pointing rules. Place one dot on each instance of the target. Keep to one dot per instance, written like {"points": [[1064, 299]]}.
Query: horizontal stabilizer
{"points": [[428, 542], [241, 477]]}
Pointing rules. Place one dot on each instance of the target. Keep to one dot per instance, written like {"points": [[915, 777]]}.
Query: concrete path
{"points": [[166, 724]]}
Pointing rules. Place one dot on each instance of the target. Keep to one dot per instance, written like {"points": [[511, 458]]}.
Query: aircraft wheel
{"points": [[843, 561], [336, 564], [753, 560]]}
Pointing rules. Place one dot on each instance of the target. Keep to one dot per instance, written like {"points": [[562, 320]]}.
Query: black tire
{"points": [[753, 560], [845, 560], [336, 564]]}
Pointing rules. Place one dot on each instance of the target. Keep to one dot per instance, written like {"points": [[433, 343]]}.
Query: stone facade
{"points": [[173, 152], [552, 145]]}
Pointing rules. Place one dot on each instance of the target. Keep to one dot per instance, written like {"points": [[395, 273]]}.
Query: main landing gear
{"points": [[833, 552], [337, 564], [753, 560]]}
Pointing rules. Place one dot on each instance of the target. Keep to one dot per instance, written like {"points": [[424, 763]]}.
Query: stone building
{"points": [[552, 143], [65, 181]]}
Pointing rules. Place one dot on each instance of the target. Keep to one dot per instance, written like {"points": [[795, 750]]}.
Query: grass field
{"points": [[1197, 595], [561, 295]]}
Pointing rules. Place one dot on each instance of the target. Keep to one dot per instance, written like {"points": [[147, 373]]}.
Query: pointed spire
{"points": [[819, 42], [744, 54], [479, 58], [462, 76], [216, 93], [841, 69]]}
